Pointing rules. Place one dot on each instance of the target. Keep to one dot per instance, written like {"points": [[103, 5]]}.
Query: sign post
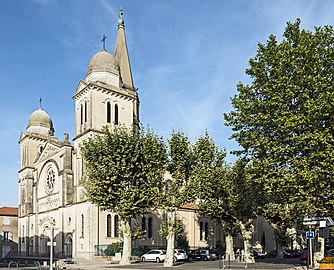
{"points": [[51, 244]]}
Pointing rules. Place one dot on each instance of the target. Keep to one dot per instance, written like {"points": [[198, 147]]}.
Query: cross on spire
{"points": [[40, 102], [104, 41], [120, 20]]}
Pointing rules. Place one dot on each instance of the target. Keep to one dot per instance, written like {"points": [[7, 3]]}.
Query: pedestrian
{"points": [[237, 255], [242, 255]]}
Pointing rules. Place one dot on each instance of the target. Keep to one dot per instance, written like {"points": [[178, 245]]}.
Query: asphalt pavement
{"points": [[267, 264]]}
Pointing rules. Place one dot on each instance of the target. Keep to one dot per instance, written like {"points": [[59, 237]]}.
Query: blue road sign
{"points": [[309, 235]]}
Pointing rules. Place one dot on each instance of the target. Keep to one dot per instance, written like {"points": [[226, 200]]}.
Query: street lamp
{"points": [[52, 243]]}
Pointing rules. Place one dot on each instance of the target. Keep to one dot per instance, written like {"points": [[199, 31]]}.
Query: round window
{"points": [[50, 180]]}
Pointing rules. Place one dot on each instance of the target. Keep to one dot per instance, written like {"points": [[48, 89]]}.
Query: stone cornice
{"points": [[125, 92], [86, 132]]}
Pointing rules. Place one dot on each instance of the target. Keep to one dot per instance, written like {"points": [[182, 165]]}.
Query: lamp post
{"points": [[51, 243], [51, 247]]}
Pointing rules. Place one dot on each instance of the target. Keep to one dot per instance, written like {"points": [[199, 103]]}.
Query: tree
{"points": [[212, 188], [124, 172], [283, 121], [177, 192], [245, 200]]}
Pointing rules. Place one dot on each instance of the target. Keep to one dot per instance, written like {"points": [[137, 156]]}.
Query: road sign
{"points": [[309, 235], [307, 223]]}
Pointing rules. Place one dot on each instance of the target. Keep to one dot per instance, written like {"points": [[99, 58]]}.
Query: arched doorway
{"points": [[44, 248], [68, 246]]}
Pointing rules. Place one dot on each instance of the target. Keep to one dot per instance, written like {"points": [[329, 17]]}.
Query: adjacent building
{"points": [[8, 231]]}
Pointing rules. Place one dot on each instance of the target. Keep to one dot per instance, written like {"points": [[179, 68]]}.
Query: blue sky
{"points": [[186, 57]]}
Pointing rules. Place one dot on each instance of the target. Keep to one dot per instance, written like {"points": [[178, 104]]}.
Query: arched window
{"points": [[116, 114], [85, 111], [82, 225], [81, 114], [206, 231], [108, 112], [149, 227], [24, 157], [23, 234], [143, 225], [201, 231], [108, 225], [116, 226]]}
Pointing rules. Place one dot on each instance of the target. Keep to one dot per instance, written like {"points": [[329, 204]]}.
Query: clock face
{"points": [[50, 180]]}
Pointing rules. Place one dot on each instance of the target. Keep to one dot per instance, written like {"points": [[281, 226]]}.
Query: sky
{"points": [[186, 57]]}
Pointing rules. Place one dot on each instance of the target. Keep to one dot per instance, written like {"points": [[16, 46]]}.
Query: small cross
{"points": [[40, 102], [104, 41]]}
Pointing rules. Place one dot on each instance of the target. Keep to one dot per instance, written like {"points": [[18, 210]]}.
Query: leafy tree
{"points": [[177, 192], [245, 200], [283, 121], [212, 188], [124, 172]]}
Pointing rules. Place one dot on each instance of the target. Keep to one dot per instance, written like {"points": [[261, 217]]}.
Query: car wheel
{"points": [[205, 258], [158, 260], [143, 259]]}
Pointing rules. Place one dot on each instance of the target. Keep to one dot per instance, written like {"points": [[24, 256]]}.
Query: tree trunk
{"points": [[278, 242], [169, 261], [247, 236], [319, 254], [127, 241], [229, 246]]}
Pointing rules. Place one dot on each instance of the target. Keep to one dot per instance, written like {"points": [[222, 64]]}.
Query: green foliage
{"points": [[180, 166], [246, 193], [182, 242], [326, 260], [176, 225], [210, 182], [284, 121], [114, 248], [124, 170]]}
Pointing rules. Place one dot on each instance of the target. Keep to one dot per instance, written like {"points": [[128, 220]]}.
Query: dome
{"points": [[40, 122], [103, 61]]}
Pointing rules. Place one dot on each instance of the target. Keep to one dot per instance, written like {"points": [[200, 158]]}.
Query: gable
{"points": [[48, 151], [82, 84]]}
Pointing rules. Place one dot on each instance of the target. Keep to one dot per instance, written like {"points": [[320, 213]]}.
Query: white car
{"points": [[155, 255], [180, 255]]}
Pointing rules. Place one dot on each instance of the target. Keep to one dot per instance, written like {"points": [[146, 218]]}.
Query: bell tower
{"points": [[107, 96]]}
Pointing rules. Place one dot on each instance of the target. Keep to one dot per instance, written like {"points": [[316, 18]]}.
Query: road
{"points": [[267, 264]]}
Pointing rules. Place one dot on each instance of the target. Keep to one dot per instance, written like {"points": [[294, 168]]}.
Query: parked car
{"points": [[258, 254], [155, 255], [304, 256], [180, 255], [288, 253], [330, 253], [207, 254], [194, 254], [272, 254]]}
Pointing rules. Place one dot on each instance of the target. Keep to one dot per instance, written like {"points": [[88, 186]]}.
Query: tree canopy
{"points": [[283, 120], [124, 174]]}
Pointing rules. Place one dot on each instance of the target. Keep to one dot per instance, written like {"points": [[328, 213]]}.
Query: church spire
{"points": [[121, 53]]}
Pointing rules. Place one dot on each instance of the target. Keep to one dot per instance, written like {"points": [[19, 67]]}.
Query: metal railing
{"points": [[9, 265], [238, 262]]}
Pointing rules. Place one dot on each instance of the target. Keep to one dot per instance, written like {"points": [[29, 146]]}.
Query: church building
{"points": [[51, 196]]}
